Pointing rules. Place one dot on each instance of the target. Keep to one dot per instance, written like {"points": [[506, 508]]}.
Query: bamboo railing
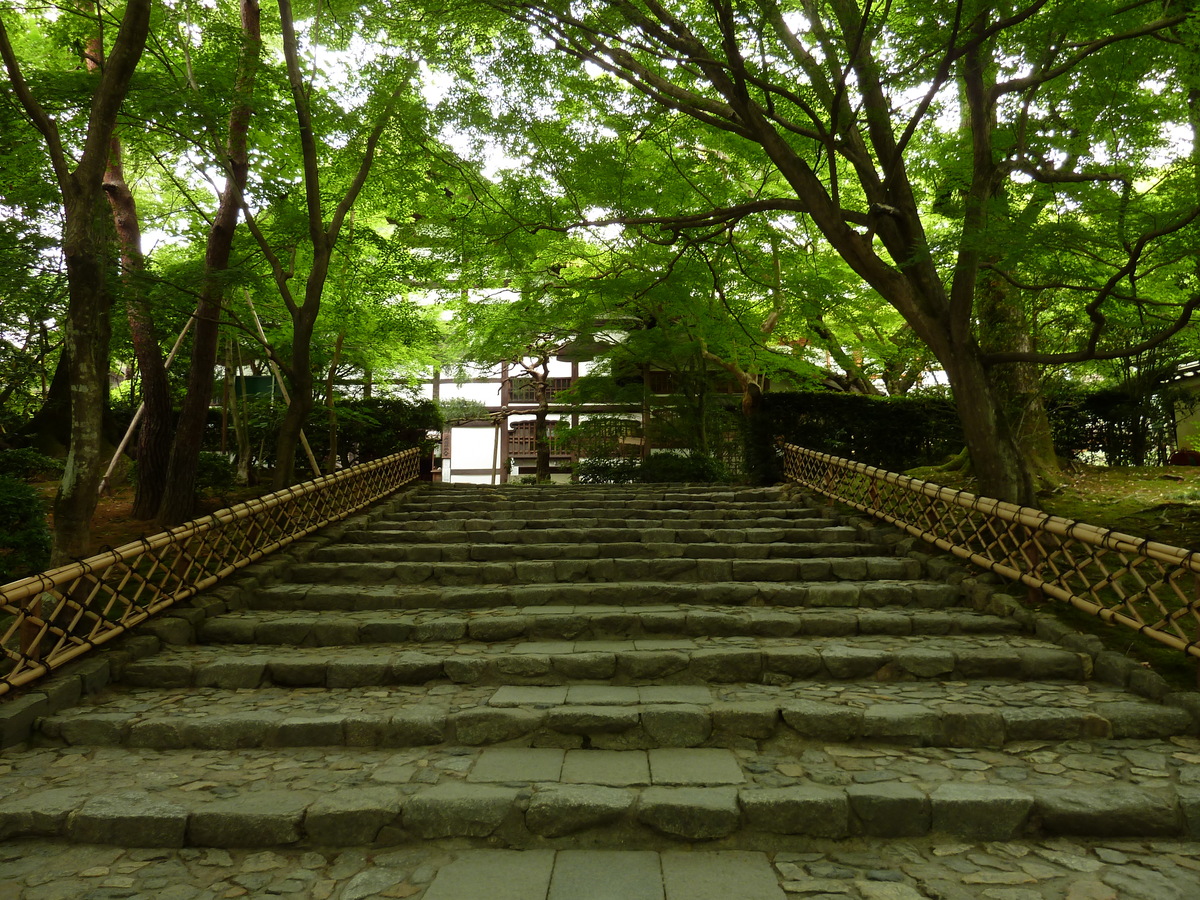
{"points": [[50, 619], [1151, 587]]}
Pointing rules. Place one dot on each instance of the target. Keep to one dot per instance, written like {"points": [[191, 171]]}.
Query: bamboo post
{"points": [[496, 452], [137, 416]]}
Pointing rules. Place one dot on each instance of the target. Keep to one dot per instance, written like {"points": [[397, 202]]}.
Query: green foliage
{"points": [[1129, 426], [367, 428], [28, 464], [608, 470], [24, 535], [894, 433], [658, 468], [380, 426], [215, 471]]}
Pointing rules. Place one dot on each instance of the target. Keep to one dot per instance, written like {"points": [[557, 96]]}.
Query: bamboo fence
{"points": [[50, 619], [1150, 587]]}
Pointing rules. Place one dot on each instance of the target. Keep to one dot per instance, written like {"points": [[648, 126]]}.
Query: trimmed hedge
{"points": [[696, 468], [895, 433]]}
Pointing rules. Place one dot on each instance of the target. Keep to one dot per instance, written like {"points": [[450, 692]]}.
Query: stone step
{"points": [[596, 506], [576, 516], [586, 622], [456, 532], [599, 716], [654, 799], [844, 594], [698, 660], [499, 552], [591, 571], [584, 521]]}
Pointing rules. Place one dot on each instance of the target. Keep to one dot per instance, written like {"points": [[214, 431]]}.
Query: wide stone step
{"points": [[980, 714], [436, 532], [585, 622], [500, 552], [582, 516], [576, 492], [565, 500], [591, 571], [846, 594], [699, 660], [553, 796]]}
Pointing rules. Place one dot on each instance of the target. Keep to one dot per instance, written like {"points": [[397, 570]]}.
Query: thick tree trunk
{"points": [[996, 460], [87, 324], [154, 436], [86, 348], [50, 428], [299, 374], [179, 494]]}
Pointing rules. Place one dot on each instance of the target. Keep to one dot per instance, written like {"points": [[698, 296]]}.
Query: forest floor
{"points": [[1161, 503]]}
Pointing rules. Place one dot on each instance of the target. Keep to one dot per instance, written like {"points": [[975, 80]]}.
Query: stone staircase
{"points": [[645, 670]]}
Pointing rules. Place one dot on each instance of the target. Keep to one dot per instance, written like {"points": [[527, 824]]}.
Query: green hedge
{"points": [[660, 467], [24, 535], [895, 433]]}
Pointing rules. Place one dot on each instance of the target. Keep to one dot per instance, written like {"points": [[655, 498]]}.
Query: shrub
{"points": [[694, 467], [26, 464], [602, 470], [24, 535], [660, 467], [215, 471]]}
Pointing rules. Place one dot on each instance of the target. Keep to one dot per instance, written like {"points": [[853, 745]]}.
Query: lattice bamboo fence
{"points": [[47, 620], [1151, 587]]}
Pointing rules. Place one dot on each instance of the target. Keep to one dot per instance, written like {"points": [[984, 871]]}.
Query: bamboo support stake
{"points": [[137, 416]]}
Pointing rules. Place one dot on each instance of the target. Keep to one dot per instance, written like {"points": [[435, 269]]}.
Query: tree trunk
{"points": [[87, 325], [541, 443], [331, 406], [245, 451], [86, 348], [179, 495], [154, 436], [996, 459], [50, 428], [299, 372]]}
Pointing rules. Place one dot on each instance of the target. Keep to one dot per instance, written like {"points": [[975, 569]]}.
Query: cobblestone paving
{"points": [[850, 870]]}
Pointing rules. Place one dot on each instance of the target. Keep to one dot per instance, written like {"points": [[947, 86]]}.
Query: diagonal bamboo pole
{"points": [[137, 416]]}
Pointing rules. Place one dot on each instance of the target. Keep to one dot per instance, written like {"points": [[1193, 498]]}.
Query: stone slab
{"points": [[670, 765], [529, 695], [494, 875], [720, 875], [602, 695], [131, 818], [503, 764], [607, 875], [675, 693], [616, 768]]}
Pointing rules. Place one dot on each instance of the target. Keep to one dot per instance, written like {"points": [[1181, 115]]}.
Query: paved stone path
{"points": [[581, 693]]}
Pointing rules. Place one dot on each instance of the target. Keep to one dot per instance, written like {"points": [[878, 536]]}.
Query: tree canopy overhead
{"points": [[973, 162], [993, 188]]}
